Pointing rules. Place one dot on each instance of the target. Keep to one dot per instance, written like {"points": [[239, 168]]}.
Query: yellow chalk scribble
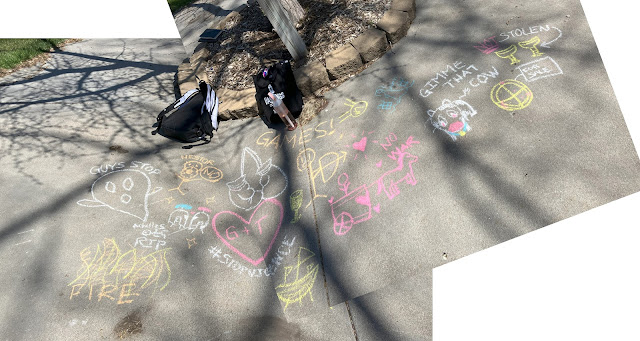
{"points": [[191, 242], [108, 273], [293, 290]]}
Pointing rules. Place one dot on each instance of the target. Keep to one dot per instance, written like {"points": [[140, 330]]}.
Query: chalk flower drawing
{"points": [[108, 273], [126, 191], [258, 181], [452, 118], [296, 284]]}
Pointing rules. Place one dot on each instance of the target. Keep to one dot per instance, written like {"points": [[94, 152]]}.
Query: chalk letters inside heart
{"points": [[263, 226]]}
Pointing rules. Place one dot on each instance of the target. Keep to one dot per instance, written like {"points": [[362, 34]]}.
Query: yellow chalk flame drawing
{"points": [[511, 95], [509, 53], [294, 290], [109, 267], [531, 44]]}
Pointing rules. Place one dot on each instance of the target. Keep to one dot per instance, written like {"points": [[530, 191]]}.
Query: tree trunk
{"points": [[294, 11], [282, 24]]}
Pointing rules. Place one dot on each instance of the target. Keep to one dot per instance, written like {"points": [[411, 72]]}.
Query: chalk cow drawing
{"points": [[126, 191], [452, 117]]}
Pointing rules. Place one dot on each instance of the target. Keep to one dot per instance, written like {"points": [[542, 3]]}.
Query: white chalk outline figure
{"points": [[127, 184], [196, 219], [451, 110], [251, 182]]}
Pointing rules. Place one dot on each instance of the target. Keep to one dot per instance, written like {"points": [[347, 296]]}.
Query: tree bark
{"points": [[282, 24], [294, 11]]}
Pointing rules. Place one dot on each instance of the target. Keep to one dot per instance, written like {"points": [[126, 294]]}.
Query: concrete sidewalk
{"points": [[329, 232]]}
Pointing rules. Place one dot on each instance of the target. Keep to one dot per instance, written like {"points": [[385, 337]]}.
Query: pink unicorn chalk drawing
{"points": [[390, 180]]}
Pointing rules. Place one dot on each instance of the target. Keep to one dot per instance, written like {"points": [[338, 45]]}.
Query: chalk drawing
{"points": [[509, 53], [263, 224], [185, 218], [191, 242], [452, 118], [403, 172], [392, 94], [126, 191], [488, 46], [511, 95], [297, 137], [547, 44], [538, 69], [298, 284], [456, 72], [519, 32], [195, 170], [296, 203], [356, 206], [532, 44], [355, 109], [256, 181], [324, 168], [283, 250], [120, 277]]}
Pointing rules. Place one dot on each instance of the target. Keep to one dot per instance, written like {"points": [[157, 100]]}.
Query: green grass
{"points": [[16, 51], [176, 5]]}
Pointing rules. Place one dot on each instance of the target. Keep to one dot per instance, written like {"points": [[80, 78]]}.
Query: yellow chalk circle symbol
{"points": [[511, 95]]}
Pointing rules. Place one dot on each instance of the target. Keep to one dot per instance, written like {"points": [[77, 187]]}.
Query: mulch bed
{"points": [[248, 42]]}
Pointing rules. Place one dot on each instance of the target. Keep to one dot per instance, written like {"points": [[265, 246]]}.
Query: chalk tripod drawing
{"points": [[299, 279], [126, 191], [452, 117], [256, 181]]}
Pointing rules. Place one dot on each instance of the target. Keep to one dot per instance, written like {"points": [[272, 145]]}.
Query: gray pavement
{"points": [[329, 232]]}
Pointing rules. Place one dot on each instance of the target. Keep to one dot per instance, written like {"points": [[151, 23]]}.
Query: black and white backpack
{"points": [[191, 118]]}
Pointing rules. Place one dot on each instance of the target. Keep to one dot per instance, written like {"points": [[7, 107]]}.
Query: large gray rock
{"points": [[371, 44], [395, 23], [343, 61], [237, 104], [408, 6], [311, 77]]}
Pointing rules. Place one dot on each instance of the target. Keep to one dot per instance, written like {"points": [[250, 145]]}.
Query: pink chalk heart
{"points": [[264, 223], [360, 145], [379, 164], [377, 208], [364, 200]]}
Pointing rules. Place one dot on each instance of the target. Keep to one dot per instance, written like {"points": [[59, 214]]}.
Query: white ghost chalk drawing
{"points": [[126, 191]]}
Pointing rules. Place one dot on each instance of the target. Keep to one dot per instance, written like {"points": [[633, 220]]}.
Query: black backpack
{"points": [[279, 78], [191, 118]]}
